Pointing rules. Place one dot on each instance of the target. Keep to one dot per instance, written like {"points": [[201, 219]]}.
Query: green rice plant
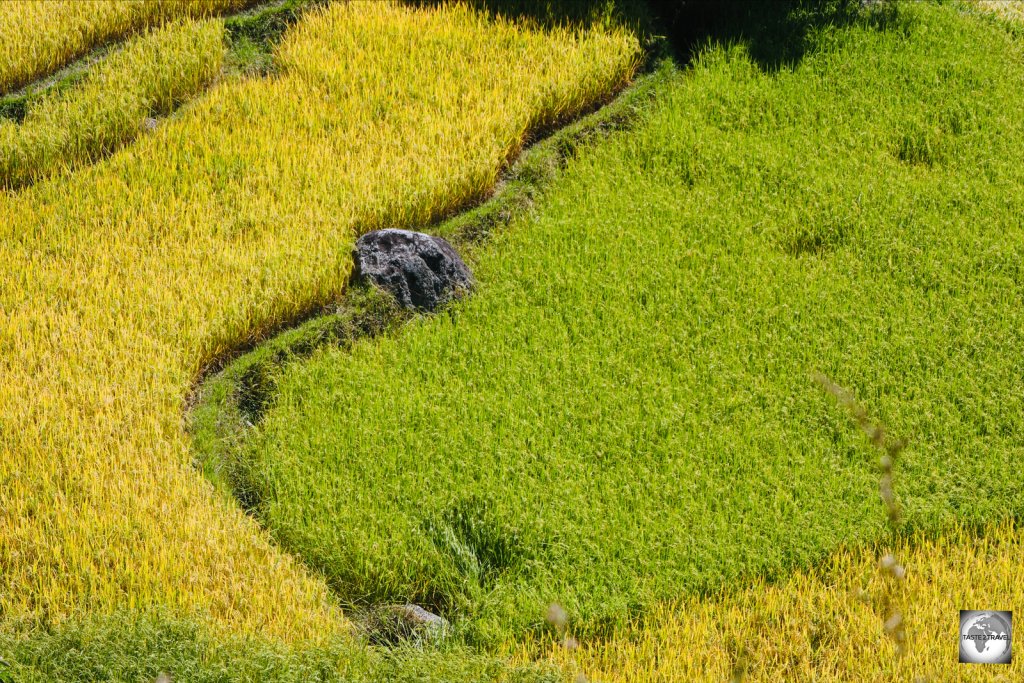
{"points": [[151, 76], [624, 413]]}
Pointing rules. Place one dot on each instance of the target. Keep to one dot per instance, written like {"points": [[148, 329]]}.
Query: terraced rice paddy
{"points": [[625, 413], [38, 37], [823, 624], [623, 419], [151, 76], [125, 279]]}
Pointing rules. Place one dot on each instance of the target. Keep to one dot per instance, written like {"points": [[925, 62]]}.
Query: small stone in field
{"points": [[393, 624]]}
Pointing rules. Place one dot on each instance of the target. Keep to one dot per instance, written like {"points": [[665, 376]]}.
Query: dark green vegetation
{"points": [[625, 410], [253, 34]]}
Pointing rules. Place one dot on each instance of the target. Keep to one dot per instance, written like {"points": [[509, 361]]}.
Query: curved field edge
{"points": [[127, 277], [823, 624], [251, 35], [836, 225], [238, 388], [40, 37]]}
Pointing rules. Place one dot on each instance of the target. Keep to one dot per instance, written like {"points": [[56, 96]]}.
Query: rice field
{"points": [[38, 37], [126, 278], [613, 462], [623, 418]]}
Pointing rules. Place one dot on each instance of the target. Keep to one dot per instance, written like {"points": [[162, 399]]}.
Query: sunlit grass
{"points": [[1007, 9], [124, 279]]}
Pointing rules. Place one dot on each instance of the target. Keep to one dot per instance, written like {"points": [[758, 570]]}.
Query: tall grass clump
{"points": [[623, 413], [150, 76], [38, 37], [126, 278]]}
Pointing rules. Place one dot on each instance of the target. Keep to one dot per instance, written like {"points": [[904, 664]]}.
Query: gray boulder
{"points": [[394, 624], [421, 271]]}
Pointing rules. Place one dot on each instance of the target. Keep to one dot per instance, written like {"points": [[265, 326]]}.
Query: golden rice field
{"points": [[152, 75], [38, 37], [825, 624], [124, 280]]}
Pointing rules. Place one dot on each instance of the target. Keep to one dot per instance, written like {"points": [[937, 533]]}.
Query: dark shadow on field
{"points": [[553, 12], [636, 14], [777, 33]]}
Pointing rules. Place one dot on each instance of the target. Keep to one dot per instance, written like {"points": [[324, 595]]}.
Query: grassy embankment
{"points": [[38, 37], [129, 276], [625, 414]]}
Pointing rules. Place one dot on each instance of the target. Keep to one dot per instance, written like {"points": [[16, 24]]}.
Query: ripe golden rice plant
{"points": [[38, 37], [151, 75], [1012, 10], [123, 280], [824, 624]]}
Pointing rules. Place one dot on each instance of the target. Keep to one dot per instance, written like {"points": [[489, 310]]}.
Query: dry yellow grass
{"points": [[827, 624], [1007, 9], [121, 282], [151, 75], [38, 37]]}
